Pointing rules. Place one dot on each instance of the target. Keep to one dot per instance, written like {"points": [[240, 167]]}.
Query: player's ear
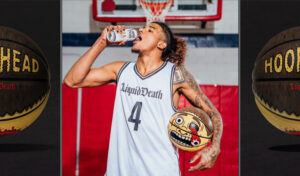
{"points": [[162, 45]]}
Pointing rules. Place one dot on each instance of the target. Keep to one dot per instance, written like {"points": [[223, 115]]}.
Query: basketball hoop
{"points": [[155, 10]]}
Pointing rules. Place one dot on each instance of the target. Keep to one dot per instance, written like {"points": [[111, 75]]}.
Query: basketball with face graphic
{"points": [[190, 129]]}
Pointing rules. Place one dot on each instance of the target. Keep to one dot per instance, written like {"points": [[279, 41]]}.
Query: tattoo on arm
{"points": [[213, 156], [178, 77], [218, 126], [200, 100]]}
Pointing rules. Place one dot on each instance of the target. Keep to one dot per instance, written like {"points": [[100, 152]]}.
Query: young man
{"points": [[147, 95]]}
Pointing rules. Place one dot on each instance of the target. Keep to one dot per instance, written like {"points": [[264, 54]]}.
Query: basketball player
{"points": [[147, 95]]}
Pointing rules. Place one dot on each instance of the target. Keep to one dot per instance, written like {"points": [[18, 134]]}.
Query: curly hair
{"points": [[176, 46]]}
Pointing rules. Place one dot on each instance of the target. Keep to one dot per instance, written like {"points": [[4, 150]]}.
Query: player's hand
{"points": [[208, 157], [118, 28]]}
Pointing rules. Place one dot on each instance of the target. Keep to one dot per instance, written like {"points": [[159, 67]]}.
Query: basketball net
{"points": [[155, 10]]}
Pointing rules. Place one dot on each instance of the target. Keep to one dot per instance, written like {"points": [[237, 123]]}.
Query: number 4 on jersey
{"points": [[137, 112]]}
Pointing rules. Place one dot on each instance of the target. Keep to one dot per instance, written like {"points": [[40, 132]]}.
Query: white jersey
{"points": [[139, 143]]}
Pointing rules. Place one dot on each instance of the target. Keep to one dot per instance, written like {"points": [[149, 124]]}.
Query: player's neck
{"points": [[147, 64]]}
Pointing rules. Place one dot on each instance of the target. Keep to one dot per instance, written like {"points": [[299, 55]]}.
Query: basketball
{"points": [[190, 129], [24, 81], [276, 81]]}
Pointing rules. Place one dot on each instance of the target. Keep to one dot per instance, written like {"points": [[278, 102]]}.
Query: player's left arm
{"points": [[186, 84]]}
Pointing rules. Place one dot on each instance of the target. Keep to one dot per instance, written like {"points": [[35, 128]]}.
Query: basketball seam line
{"points": [[25, 79], [274, 112], [276, 79], [199, 119], [39, 53], [25, 113], [188, 131], [278, 45], [197, 146]]}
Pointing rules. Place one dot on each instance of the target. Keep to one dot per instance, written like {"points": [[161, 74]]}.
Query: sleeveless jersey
{"points": [[139, 143]]}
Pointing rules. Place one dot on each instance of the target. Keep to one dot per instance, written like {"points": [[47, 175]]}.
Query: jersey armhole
{"points": [[121, 70], [171, 89]]}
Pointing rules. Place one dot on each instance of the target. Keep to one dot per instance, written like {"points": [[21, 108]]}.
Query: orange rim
{"points": [[156, 8]]}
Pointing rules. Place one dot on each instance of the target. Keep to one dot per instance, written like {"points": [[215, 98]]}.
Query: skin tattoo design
{"points": [[158, 50], [184, 82]]}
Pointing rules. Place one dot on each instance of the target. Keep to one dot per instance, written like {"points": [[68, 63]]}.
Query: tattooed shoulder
{"points": [[178, 77], [181, 75]]}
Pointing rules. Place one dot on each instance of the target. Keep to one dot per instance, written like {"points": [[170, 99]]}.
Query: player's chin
{"points": [[135, 50]]}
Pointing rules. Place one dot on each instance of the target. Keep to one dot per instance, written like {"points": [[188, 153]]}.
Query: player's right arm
{"points": [[81, 74]]}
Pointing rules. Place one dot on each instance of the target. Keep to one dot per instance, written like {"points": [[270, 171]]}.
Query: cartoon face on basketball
{"points": [[190, 129]]}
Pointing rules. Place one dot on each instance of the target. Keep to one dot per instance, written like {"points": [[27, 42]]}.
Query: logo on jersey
{"points": [[141, 91]]}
